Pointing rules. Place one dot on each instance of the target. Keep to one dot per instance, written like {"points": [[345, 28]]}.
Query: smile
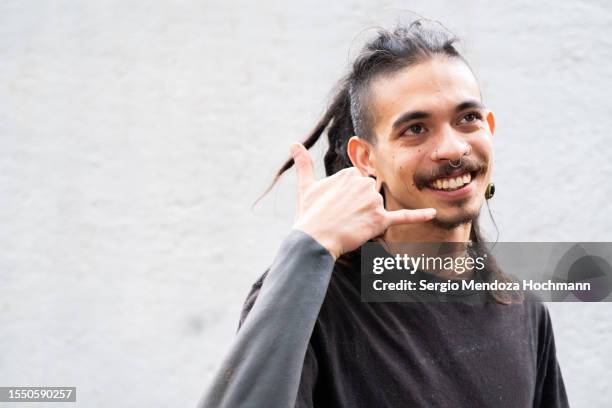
{"points": [[451, 183]]}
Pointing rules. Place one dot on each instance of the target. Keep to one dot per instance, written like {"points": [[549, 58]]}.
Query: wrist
{"points": [[322, 239]]}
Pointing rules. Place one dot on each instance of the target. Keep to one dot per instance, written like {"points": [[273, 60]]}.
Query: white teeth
{"points": [[452, 184]]}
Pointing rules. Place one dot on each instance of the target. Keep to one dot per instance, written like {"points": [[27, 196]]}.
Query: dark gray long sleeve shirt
{"points": [[307, 340], [264, 365]]}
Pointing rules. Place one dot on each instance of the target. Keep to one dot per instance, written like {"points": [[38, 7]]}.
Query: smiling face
{"points": [[433, 140]]}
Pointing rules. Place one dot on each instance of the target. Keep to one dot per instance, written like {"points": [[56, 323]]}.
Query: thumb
{"points": [[408, 216], [303, 165]]}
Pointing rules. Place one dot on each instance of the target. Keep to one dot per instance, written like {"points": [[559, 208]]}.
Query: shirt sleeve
{"points": [[264, 365], [308, 379], [550, 389]]}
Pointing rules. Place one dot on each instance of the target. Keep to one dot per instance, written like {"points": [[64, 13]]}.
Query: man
{"points": [[409, 160]]}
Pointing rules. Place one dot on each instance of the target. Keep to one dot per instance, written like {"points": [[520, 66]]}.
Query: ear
{"points": [[360, 151], [491, 122]]}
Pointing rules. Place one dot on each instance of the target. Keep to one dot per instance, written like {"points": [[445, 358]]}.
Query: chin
{"points": [[454, 218]]}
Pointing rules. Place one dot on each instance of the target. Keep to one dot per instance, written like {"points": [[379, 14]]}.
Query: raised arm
{"points": [[335, 215], [265, 362]]}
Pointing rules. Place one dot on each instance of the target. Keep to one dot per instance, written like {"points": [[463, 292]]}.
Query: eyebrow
{"points": [[412, 115]]}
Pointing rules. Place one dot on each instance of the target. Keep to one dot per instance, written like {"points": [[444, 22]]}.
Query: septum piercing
{"points": [[453, 165], [450, 163]]}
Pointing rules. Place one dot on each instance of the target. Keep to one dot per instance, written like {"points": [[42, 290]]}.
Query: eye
{"points": [[471, 117], [415, 129]]}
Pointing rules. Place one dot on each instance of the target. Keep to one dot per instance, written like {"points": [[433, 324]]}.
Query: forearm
{"points": [[264, 364]]}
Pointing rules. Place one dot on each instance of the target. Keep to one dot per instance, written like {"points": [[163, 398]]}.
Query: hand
{"points": [[343, 211]]}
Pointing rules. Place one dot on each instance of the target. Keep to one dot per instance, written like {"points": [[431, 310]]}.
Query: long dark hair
{"points": [[347, 115]]}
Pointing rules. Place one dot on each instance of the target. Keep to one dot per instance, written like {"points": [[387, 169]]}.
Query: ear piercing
{"points": [[490, 191]]}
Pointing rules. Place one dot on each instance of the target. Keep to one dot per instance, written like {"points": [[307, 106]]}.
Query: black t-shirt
{"points": [[409, 354]]}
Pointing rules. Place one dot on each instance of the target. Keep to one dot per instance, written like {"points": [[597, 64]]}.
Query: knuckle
{"points": [[336, 177], [378, 199], [365, 184], [374, 202], [377, 217], [341, 173], [350, 172]]}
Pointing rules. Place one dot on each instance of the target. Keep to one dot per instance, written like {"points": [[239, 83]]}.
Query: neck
{"points": [[430, 233], [427, 232]]}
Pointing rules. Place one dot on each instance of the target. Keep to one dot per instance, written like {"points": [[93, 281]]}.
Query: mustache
{"points": [[468, 164]]}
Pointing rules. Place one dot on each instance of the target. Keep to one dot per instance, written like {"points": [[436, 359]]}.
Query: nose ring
{"points": [[450, 163], [467, 152]]}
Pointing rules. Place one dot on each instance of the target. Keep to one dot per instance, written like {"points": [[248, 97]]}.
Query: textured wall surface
{"points": [[134, 137]]}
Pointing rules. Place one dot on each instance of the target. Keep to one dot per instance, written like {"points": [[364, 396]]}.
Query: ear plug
{"points": [[490, 191]]}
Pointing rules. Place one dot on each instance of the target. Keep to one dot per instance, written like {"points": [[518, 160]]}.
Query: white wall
{"points": [[134, 136]]}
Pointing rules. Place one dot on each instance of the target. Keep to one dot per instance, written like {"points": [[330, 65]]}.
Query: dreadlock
{"points": [[348, 113]]}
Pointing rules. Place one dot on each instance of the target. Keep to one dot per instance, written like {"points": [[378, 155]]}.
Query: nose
{"points": [[449, 146]]}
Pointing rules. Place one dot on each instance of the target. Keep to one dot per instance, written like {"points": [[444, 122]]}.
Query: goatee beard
{"points": [[449, 224]]}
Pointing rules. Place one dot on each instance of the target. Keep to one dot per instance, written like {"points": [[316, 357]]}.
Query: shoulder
{"points": [[539, 317], [536, 305]]}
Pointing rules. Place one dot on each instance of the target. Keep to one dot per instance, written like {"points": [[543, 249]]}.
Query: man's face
{"points": [[424, 116]]}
